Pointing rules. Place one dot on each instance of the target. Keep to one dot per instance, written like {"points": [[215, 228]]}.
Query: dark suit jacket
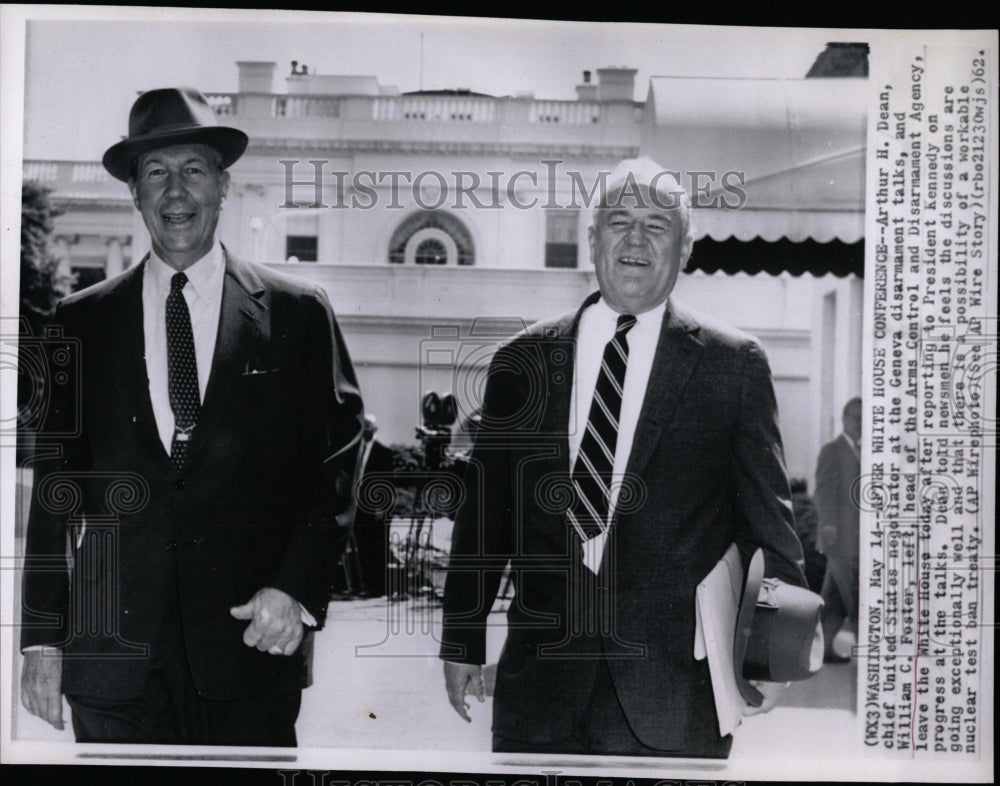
{"points": [[706, 469], [253, 507], [837, 470]]}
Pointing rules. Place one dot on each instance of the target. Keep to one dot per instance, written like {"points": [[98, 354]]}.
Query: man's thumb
{"points": [[244, 612]]}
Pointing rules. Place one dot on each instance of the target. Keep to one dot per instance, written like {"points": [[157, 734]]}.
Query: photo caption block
{"points": [[927, 543]]}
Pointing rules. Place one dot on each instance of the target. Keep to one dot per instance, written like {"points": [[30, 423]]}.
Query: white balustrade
{"points": [[89, 172], [306, 106], [417, 108], [223, 104], [40, 171], [565, 112], [435, 109]]}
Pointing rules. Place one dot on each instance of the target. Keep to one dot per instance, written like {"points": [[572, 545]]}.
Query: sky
{"points": [[82, 75]]}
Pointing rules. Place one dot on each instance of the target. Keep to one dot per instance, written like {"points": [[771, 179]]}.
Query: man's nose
{"points": [[636, 233], [175, 184]]}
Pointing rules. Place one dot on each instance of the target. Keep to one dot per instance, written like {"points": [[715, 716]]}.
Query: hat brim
{"points": [[744, 627], [778, 637], [230, 142]]}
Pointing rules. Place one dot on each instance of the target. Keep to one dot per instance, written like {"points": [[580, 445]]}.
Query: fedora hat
{"points": [[778, 636], [172, 116]]}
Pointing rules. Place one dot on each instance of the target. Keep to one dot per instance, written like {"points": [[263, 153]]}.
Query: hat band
{"points": [[168, 128]]}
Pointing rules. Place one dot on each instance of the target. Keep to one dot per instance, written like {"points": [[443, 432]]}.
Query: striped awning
{"points": [[757, 255]]}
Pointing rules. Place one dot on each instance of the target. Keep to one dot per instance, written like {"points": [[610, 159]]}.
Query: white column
{"points": [[140, 238], [60, 249], [115, 259]]}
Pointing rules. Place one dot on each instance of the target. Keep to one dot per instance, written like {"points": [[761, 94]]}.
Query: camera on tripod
{"points": [[438, 414]]}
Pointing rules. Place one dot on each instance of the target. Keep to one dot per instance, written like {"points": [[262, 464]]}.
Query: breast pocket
{"points": [[264, 384]]}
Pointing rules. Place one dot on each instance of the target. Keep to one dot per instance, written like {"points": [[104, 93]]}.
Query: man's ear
{"points": [[224, 182], [592, 238], [134, 192]]}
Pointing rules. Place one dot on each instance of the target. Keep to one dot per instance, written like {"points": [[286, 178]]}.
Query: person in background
{"points": [[374, 512], [804, 508], [837, 470]]}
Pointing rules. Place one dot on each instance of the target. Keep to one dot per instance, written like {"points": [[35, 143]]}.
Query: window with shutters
{"points": [[560, 238]]}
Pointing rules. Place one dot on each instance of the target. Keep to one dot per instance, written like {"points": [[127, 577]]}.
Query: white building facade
{"points": [[440, 222]]}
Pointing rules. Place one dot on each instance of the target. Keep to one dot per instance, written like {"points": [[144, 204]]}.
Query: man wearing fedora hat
{"points": [[622, 449], [182, 534]]}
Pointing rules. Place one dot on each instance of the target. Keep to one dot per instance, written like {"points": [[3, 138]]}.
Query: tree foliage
{"points": [[42, 285]]}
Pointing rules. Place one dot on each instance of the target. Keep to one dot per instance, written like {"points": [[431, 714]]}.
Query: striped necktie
{"points": [[182, 371], [595, 460]]}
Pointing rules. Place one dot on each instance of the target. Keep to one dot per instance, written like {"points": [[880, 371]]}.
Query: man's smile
{"points": [[176, 219], [633, 261]]}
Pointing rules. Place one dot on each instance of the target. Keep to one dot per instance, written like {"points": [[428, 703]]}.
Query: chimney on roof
{"points": [[256, 76], [585, 91], [841, 59], [616, 83]]}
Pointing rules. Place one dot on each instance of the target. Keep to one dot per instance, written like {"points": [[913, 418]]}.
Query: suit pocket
{"points": [[260, 377], [264, 385]]}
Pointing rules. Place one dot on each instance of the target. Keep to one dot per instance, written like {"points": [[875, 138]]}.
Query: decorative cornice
{"points": [[91, 202], [259, 189], [439, 147]]}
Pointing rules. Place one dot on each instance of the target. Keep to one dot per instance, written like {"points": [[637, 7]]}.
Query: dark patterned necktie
{"points": [[182, 371], [595, 461]]}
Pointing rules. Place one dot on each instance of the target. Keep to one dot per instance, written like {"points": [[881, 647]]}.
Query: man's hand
{"points": [[276, 625], [771, 691], [462, 678], [41, 685]]}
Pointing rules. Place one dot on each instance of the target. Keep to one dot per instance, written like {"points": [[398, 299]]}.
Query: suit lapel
{"points": [[242, 332], [127, 358], [677, 353], [559, 374]]}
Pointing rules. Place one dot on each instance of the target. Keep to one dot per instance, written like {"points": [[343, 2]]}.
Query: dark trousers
{"points": [[603, 729], [170, 711], [840, 599]]}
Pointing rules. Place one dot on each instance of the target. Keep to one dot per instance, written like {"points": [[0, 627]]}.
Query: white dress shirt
{"points": [[203, 294], [597, 327]]}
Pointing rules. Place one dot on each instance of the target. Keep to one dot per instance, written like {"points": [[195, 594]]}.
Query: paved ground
{"points": [[388, 652], [378, 685]]}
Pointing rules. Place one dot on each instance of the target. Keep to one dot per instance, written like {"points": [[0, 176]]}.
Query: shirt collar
{"points": [[202, 275], [646, 321]]}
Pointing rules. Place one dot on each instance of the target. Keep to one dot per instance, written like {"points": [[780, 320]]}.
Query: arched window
{"points": [[430, 252], [431, 237]]}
